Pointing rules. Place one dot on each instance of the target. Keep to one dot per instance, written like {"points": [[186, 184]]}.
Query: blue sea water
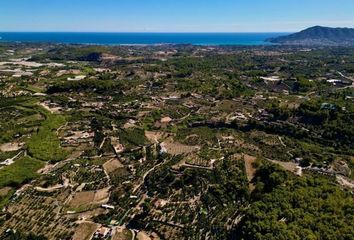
{"points": [[140, 38]]}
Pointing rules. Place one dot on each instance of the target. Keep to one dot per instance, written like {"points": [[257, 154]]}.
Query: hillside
{"points": [[176, 142], [318, 36]]}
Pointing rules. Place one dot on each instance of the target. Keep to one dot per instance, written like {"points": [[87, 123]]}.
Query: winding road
{"points": [[146, 174]]}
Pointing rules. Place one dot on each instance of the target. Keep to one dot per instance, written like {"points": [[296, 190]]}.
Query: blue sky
{"points": [[173, 15]]}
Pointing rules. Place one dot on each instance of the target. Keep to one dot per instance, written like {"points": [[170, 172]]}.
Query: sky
{"points": [[173, 15]]}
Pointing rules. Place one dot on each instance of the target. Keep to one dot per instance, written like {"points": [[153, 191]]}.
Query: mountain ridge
{"points": [[318, 35]]}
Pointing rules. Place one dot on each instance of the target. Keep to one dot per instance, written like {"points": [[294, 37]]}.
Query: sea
{"points": [[245, 39]]}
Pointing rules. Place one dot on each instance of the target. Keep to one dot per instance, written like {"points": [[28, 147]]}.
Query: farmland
{"points": [[176, 142]]}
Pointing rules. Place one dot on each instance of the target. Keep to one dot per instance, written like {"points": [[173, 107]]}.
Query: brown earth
{"points": [[175, 148], [249, 166], [85, 231], [154, 136], [112, 165], [89, 198], [289, 166], [121, 233], [4, 191], [143, 236], [10, 147]]}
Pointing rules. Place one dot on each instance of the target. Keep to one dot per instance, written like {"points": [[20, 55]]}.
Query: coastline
{"points": [[141, 39]]}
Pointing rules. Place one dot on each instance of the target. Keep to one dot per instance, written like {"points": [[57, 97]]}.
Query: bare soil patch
{"points": [[143, 236], [50, 109], [89, 198], [112, 165], [249, 166], [346, 182], [101, 195], [154, 136], [4, 191], [121, 233], [11, 147], [175, 148], [250, 169], [82, 198], [289, 166], [85, 231]]}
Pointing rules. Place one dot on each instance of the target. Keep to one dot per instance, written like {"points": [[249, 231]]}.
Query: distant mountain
{"points": [[324, 36]]}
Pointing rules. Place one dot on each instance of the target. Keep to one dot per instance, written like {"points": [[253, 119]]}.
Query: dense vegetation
{"points": [[132, 137], [301, 208], [319, 36], [23, 170], [45, 145]]}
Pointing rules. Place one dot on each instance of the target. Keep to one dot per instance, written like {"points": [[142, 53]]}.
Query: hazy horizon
{"points": [[169, 16], [141, 32]]}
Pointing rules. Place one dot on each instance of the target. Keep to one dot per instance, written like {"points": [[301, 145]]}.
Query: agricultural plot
{"points": [[154, 136], [32, 212], [121, 233], [175, 148], [112, 165], [85, 231], [5, 195], [83, 201]]}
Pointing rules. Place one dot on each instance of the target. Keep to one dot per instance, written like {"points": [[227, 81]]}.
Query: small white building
{"points": [[106, 206], [77, 78]]}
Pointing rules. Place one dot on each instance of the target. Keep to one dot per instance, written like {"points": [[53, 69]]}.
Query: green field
{"points": [[42, 146], [45, 145], [23, 170]]}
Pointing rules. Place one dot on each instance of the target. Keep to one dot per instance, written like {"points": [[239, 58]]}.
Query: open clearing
{"points": [[4, 191], [250, 169], [53, 110], [175, 148], [345, 182], [154, 137], [112, 165], [121, 233], [11, 147], [89, 198], [249, 166], [85, 231], [289, 166], [142, 236]]}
